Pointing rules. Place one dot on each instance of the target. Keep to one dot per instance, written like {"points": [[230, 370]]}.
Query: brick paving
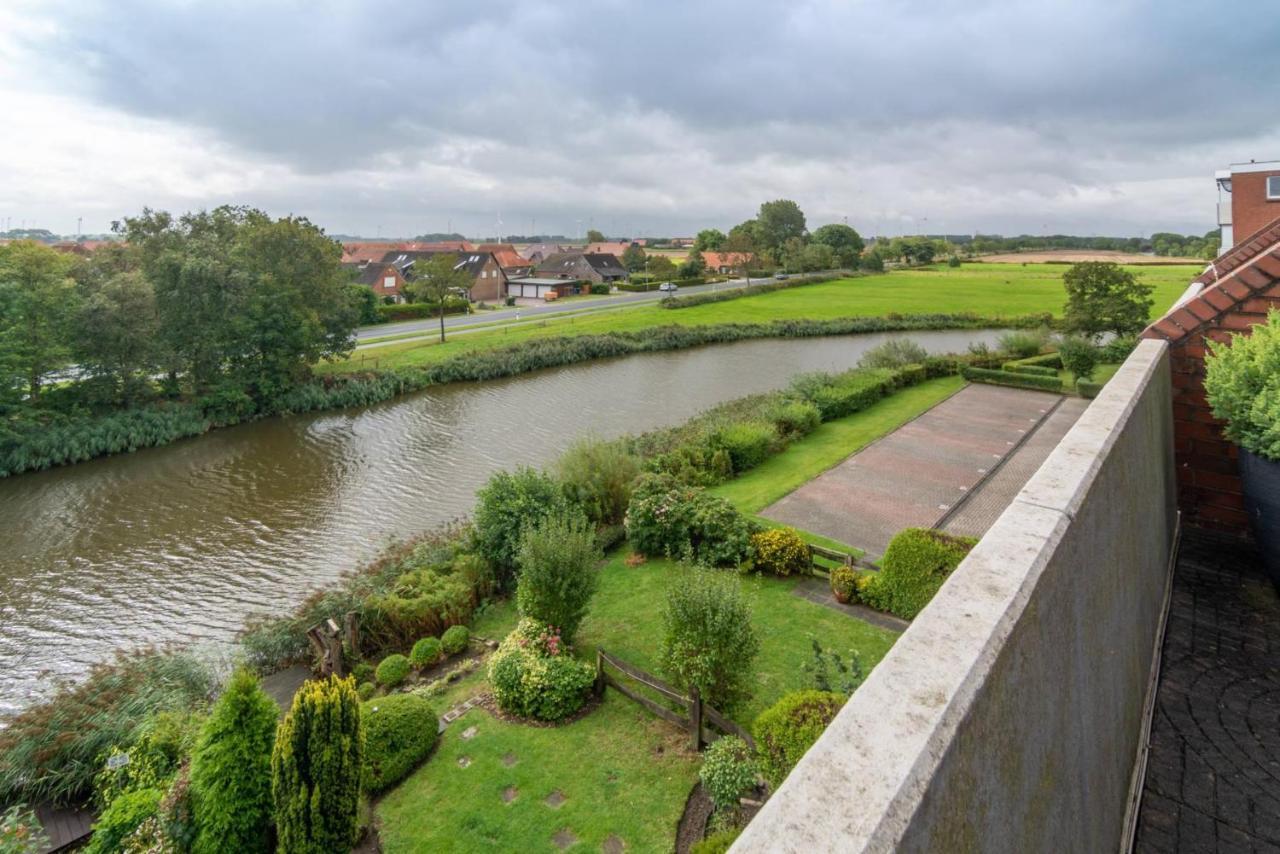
{"points": [[918, 472], [1213, 773], [986, 502]]}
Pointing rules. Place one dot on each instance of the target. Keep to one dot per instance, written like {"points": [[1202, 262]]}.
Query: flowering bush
{"points": [[534, 674], [669, 517], [728, 771], [781, 551]]}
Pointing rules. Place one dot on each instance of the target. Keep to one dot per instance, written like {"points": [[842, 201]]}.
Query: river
{"points": [[180, 543]]}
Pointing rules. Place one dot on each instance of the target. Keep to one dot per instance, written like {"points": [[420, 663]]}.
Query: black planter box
{"points": [[1261, 480]]}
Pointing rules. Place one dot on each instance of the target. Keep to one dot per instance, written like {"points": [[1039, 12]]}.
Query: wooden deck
{"points": [[64, 826]]}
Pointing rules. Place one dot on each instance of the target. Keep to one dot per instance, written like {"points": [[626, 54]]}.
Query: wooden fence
{"points": [[696, 716]]}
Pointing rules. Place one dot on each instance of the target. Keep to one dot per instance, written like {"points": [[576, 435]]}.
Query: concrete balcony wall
{"points": [[1008, 716]]}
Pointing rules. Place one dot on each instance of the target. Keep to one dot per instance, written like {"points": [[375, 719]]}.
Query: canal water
{"points": [[180, 543]]}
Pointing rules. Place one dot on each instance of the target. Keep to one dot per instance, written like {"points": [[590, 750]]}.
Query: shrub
{"points": [[165, 741], [597, 476], [534, 675], [558, 573], [914, 566], [795, 418], [721, 841], [362, 672], [781, 551], [121, 818], [455, 640], [1088, 388], [843, 583], [748, 443], [425, 652], [1079, 356], [668, 517], [599, 288], [392, 670], [728, 771], [505, 506], [231, 770], [829, 671], [1243, 386], [844, 394], [708, 640], [366, 690], [894, 353], [21, 832], [51, 750], [1022, 343], [788, 728], [953, 261], [986, 375], [399, 731], [316, 766], [1118, 348]]}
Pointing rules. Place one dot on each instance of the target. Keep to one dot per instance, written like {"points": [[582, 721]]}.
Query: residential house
{"points": [[375, 250], [513, 264], [614, 248], [489, 283], [1248, 198], [724, 262], [583, 266], [386, 280], [539, 252]]}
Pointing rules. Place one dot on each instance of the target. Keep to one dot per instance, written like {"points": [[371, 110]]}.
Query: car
{"points": [[668, 287], [781, 276]]}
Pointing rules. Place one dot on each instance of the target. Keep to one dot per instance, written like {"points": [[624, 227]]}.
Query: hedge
{"points": [[985, 375], [750, 290], [1088, 388], [914, 566], [644, 287], [418, 310], [1044, 360], [1032, 370], [399, 732]]}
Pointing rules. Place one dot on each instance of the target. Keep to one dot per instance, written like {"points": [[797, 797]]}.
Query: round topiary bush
{"points": [[781, 551], [728, 771], [789, 727], [392, 670], [455, 640], [914, 566], [365, 690], [425, 652], [399, 732], [533, 674], [363, 672]]}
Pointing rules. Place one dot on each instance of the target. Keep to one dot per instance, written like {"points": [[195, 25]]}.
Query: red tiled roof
{"points": [[374, 250], [1243, 281], [716, 260]]}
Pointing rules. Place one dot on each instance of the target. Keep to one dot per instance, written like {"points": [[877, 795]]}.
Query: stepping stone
{"points": [[613, 845], [509, 760], [464, 761], [469, 732], [555, 799], [564, 839], [509, 794]]}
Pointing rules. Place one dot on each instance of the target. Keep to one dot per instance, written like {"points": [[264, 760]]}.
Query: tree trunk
{"points": [[442, 321]]}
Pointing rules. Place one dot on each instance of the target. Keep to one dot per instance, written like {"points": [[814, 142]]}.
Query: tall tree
{"points": [[633, 259], [435, 281], [740, 247], [116, 333], [1105, 297], [662, 266], [844, 240], [780, 220], [709, 240], [37, 304], [595, 236]]}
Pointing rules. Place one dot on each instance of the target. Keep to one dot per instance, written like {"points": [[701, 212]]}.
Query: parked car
{"points": [[668, 287], [781, 276]]}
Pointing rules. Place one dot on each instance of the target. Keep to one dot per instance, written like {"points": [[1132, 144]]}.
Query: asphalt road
{"points": [[526, 312]]}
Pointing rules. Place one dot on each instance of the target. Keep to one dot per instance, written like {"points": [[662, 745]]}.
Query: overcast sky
{"points": [[398, 118]]}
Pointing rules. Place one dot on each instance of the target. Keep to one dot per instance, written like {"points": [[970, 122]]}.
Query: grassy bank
{"points": [[995, 290]]}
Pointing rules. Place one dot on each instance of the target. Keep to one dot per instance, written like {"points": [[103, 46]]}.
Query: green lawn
{"points": [[622, 770], [991, 289]]}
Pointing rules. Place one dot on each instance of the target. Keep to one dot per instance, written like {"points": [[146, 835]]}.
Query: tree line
{"points": [[227, 303]]}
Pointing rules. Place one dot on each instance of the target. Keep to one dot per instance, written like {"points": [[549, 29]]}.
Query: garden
{"points": [[463, 701]]}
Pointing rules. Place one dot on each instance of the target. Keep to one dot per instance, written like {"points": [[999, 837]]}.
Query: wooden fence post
{"points": [[599, 686], [695, 716]]}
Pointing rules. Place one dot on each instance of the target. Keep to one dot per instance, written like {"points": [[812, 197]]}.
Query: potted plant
{"points": [[1242, 384], [842, 583]]}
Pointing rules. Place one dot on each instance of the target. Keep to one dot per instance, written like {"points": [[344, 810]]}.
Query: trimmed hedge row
{"points": [[1088, 388], [985, 375], [1033, 370], [751, 290], [645, 287], [418, 310], [1044, 360]]}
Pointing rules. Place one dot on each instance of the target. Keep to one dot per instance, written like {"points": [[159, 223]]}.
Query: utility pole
{"points": [[79, 220]]}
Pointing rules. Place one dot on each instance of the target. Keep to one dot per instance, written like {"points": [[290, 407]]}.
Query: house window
{"points": [[1273, 187], [389, 283]]}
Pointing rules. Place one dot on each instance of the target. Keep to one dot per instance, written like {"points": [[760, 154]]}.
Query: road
{"points": [[526, 312]]}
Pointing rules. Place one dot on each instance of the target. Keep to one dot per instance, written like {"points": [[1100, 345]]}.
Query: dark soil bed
{"points": [[693, 824]]}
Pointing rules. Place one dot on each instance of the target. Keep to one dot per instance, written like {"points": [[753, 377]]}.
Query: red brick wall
{"points": [[1250, 209], [1208, 479]]}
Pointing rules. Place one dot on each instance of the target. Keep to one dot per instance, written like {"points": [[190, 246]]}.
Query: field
{"points": [[982, 288], [1072, 256]]}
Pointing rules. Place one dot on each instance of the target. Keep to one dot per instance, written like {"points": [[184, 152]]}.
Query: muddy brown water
{"points": [[180, 543]]}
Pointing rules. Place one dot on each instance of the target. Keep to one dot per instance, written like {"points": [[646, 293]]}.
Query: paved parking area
{"points": [[917, 475]]}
